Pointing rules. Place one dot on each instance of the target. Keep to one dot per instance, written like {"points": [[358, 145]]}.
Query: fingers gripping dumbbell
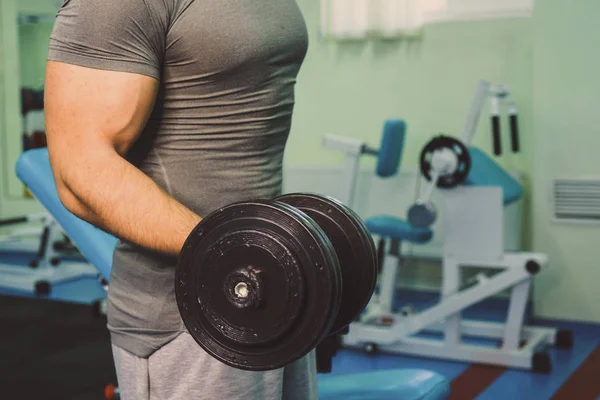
{"points": [[260, 284], [445, 162]]}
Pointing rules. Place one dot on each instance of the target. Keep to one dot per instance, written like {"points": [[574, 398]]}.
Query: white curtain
{"points": [[371, 18]]}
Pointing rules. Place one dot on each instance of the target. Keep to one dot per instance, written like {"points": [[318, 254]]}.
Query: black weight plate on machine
{"points": [[463, 160], [258, 285], [353, 245]]}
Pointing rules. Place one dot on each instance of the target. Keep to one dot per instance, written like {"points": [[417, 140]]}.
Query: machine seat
{"points": [[396, 228], [486, 172]]}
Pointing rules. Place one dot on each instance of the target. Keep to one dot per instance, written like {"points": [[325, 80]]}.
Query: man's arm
{"points": [[93, 117]]}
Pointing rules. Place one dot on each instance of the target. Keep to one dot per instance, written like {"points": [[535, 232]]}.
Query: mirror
{"points": [[34, 33], [26, 26]]}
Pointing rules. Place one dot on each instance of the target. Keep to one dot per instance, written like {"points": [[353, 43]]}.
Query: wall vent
{"points": [[577, 199]]}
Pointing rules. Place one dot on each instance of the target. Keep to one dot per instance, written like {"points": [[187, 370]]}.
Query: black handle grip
{"points": [[369, 150], [13, 221], [497, 142], [514, 132]]}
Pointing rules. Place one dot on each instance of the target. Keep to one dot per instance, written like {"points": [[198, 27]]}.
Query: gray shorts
{"points": [[181, 370]]}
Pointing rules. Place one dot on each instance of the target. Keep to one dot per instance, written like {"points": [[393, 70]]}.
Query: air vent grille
{"points": [[577, 199]]}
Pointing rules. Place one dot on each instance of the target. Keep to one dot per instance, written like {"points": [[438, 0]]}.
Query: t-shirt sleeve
{"points": [[116, 35]]}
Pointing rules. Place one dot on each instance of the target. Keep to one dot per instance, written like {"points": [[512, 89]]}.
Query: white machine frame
{"points": [[48, 268], [473, 231], [473, 224], [353, 149]]}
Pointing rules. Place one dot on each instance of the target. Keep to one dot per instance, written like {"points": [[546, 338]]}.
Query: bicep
{"points": [[90, 109], [105, 58]]}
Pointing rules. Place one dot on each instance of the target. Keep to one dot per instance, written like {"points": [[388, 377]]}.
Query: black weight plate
{"points": [[368, 238], [297, 272], [373, 268], [422, 214], [353, 245], [463, 160]]}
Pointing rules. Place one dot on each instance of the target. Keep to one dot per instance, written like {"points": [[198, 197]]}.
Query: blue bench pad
{"points": [[399, 384], [396, 228]]}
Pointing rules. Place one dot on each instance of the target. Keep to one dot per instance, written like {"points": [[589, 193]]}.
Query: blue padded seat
{"points": [[485, 172], [401, 384], [33, 169], [395, 228], [391, 147]]}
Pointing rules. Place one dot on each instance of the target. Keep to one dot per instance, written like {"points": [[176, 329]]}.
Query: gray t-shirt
{"points": [[217, 134]]}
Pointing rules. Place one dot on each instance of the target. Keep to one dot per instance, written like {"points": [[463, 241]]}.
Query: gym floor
{"points": [[56, 348]]}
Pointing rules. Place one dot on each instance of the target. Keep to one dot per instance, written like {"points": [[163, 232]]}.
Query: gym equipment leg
{"points": [[521, 344], [48, 268]]}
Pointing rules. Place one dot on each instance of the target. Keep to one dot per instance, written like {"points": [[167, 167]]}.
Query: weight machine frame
{"points": [[48, 268], [472, 240], [473, 224]]}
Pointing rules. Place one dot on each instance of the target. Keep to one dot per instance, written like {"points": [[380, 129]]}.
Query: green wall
{"points": [[566, 120]]}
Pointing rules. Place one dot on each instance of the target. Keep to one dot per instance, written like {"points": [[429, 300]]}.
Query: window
{"points": [[392, 18], [434, 5], [452, 10]]}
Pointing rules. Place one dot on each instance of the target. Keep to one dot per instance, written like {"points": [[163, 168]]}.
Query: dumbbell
{"points": [[445, 162], [260, 284]]}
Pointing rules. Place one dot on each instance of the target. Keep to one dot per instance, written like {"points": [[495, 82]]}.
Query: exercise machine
{"points": [[475, 190], [388, 159], [389, 155], [48, 267], [18, 232]]}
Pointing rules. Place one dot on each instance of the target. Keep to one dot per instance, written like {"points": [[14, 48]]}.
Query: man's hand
{"points": [[93, 117]]}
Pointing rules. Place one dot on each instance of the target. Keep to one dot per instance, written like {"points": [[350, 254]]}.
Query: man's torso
{"points": [[217, 135]]}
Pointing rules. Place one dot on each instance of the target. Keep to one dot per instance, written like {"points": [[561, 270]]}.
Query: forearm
{"points": [[109, 192]]}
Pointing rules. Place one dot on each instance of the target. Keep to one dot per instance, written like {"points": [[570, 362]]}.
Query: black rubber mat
{"points": [[52, 350]]}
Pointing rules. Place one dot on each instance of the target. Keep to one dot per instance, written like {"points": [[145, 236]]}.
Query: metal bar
{"points": [[475, 112]]}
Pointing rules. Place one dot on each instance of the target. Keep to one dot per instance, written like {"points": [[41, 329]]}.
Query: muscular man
{"points": [[159, 112]]}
